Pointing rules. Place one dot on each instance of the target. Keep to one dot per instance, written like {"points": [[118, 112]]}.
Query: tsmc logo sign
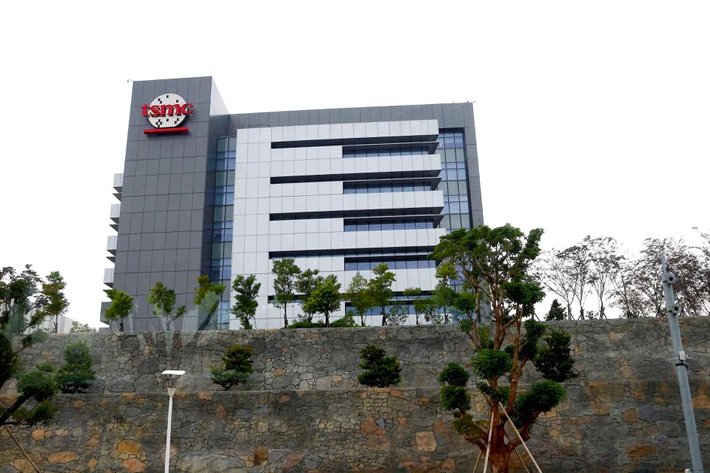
{"points": [[165, 113]]}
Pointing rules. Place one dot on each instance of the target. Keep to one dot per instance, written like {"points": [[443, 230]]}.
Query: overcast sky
{"points": [[591, 117]]}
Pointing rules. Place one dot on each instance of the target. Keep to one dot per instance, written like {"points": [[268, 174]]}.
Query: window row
{"points": [[365, 153], [376, 189], [455, 221], [456, 198], [452, 155], [453, 187], [226, 143], [456, 165], [381, 226], [224, 195], [405, 264], [456, 208]]}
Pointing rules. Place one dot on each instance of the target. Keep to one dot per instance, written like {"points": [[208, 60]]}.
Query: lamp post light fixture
{"points": [[171, 377]]}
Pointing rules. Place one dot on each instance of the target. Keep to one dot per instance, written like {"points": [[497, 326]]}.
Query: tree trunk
{"points": [[500, 460], [285, 317], [327, 319], [384, 316]]}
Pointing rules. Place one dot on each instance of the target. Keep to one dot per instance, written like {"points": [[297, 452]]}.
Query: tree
{"points": [[498, 263], [306, 283], [605, 265], [77, 327], [379, 370], [579, 263], [444, 295], [246, 289], [286, 273], [359, 296], [163, 300], [325, 298], [52, 300], [236, 367], [16, 289], [346, 321], [380, 289], [415, 294], [558, 278], [557, 312], [36, 387], [120, 308], [207, 297], [76, 374]]}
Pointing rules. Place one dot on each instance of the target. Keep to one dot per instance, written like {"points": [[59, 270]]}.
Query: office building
{"points": [[208, 192]]}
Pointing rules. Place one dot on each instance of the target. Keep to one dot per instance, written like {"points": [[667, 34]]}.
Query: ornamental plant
{"points": [[236, 367], [76, 375], [379, 370], [493, 264]]}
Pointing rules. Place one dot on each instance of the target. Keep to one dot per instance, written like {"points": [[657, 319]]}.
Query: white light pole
{"points": [[172, 376]]}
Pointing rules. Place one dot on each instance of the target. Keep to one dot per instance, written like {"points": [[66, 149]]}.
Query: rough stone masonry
{"points": [[303, 410]]}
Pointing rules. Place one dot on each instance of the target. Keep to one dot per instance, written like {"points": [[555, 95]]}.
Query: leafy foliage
{"points": [[207, 297], [306, 324], [491, 364], [454, 374], [76, 374], [397, 314], [347, 321], [325, 298], [163, 300], [77, 327], [286, 273], [542, 397], [120, 308], [52, 301], [380, 370], [359, 296], [380, 288], [236, 367], [246, 289]]}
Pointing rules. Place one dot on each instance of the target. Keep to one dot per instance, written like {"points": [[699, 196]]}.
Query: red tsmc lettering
{"points": [[166, 110]]}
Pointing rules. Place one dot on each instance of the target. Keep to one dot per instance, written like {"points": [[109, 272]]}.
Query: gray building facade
{"points": [[219, 191]]}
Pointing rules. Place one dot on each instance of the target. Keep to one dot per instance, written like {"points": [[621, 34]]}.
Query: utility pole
{"points": [[672, 311]]}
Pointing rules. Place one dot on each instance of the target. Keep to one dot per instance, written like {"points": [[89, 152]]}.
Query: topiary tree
{"points": [[76, 374], [495, 263], [380, 370], [236, 367]]}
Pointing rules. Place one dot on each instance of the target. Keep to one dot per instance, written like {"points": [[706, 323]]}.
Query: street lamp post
{"points": [[171, 376]]}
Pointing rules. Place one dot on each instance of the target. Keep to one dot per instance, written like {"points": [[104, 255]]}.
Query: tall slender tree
{"points": [[286, 277], [307, 282], [359, 296], [246, 289], [380, 288], [207, 297], [163, 300]]}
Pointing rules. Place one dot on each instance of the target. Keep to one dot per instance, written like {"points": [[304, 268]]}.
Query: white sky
{"points": [[591, 117]]}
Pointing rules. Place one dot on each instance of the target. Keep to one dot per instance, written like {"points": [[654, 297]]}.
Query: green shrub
{"points": [[542, 396], [306, 324], [347, 321], [236, 367], [76, 375], [379, 370]]}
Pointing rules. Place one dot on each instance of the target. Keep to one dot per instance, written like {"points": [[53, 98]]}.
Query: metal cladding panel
{"points": [[165, 176]]}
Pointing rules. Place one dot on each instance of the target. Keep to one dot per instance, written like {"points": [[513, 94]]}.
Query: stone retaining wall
{"points": [[303, 410]]}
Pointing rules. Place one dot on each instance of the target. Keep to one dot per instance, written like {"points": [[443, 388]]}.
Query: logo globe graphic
{"points": [[168, 121]]}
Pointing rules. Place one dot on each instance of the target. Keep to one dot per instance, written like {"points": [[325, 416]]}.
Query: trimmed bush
{"points": [[379, 370], [236, 368]]}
